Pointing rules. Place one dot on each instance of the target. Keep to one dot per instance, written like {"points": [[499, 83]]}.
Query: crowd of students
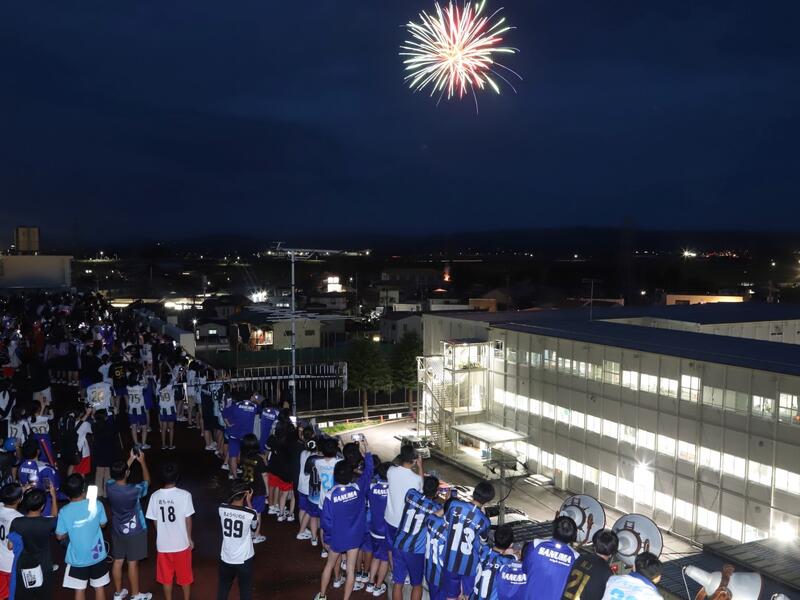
{"points": [[373, 521]]}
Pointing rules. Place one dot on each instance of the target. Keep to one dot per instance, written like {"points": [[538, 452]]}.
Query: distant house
{"points": [[395, 325], [388, 295], [333, 301], [225, 306]]}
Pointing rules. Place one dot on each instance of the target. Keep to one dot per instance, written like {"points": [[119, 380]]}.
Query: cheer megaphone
{"points": [[726, 583], [587, 513], [637, 534]]}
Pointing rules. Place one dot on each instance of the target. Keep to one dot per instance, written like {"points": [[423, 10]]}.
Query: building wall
{"points": [[787, 332], [308, 334], [706, 450], [392, 331], [671, 299], [35, 272]]}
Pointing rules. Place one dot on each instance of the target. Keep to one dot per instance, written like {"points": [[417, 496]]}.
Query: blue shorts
{"points": [[137, 419], [259, 503], [366, 543], [234, 447], [302, 501], [121, 391], [453, 584], [406, 563], [380, 548], [313, 510], [167, 417], [436, 592], [391, 533]]}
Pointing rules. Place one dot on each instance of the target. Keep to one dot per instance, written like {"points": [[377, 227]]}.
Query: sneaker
{"points": [[324, 553], [379, 590], [303, 535], [337, 583], [290, 517], [370, 587], [121, 595], [143, 596], [273, 510], [282, 516], [362, 577], [344, 564], [314, 542], [320, 597], [358, 585], [231, 476], [210, 447], [144, 447], [258, 539], [225, 467]]}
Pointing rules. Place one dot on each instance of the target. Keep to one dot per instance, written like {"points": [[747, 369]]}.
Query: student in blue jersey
{"points": [[377, 498], [467, 527], [435, 539], [343, 522], [81, 521], [640, 584], [239, 421], [128, 525], [513, 581], [549, 562], [492, 561], [38, 474], [267, 418], [408, 548]]}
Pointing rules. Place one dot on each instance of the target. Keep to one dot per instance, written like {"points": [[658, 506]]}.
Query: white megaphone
{"points": [[587, 513], [780, 597], [740, 586]]}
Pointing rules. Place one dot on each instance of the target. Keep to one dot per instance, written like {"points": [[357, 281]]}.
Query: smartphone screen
{"points": [[91, 493]]}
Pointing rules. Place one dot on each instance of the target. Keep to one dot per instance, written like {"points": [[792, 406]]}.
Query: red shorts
{"points": [[8, 372], [175, 564], [5, 580], [84, 467], [277, 482]]}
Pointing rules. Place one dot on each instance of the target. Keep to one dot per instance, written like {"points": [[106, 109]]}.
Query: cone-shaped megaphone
{"points": [[587, 513], [637, 534], [741, 586]]}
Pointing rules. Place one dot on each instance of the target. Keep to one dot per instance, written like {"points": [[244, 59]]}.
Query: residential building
{"points": [[395, 325]]}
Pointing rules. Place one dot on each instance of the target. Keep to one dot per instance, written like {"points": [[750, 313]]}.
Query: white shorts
{"points": [[78, 578]]}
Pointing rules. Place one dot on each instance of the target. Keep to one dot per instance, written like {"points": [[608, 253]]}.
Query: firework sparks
{"points": [[452, 53]]}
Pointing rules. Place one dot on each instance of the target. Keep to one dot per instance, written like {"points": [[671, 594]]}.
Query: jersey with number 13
{"points": [[467, 525]]}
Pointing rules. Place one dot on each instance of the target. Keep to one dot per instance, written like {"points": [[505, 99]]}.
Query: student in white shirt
{"points": [[172, 508], [639, 584], [238, 521], [401, 479], [10, 496]]}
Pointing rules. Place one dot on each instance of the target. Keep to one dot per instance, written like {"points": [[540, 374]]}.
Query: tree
{"points": [[404, 364], [367, 370]]}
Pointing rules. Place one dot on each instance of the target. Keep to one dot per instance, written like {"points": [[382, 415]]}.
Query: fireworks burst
{"points": [[452, 52]]}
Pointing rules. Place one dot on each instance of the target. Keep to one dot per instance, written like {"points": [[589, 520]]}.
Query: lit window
{"points": [[648, 383], [533, 452], [736, 401], [608, 481], [611, 372], [668, 387], [499, 347], [707, 518], [763, 407], [759, 473], [713, 396], [690, 388], [625, 487], [644, 481], [499, 396], [683, 510], [522, 403], [686, 451], [664, 502], [666, 446], [562, 463], [576, 468], [787, 408], [730, 528], [536, 407], [627, 434], [594, 424], [646, 439], [511, 356], [550, 360], [547, 459], [536, 359], [787, 481], [576, 418], [753, 534], [580, 369], [548, 411], [590, 474], [710, 459], [610, 428], [563, 415], [630, 380], [595, 372], [734, 466]]}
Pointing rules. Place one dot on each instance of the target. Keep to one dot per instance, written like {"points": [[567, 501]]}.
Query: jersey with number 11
{"points": [[411, 532]]}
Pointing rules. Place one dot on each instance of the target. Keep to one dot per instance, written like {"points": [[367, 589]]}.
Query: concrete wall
{"points": [[35, 272]]}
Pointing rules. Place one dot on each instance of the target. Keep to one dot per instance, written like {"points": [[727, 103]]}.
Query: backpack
{"points": [[67, 429]]}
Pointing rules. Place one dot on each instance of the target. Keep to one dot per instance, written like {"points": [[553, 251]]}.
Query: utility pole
{"points": [[293, 380]]}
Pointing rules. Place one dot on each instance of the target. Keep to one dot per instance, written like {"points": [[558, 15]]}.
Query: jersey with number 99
{"points": [[411, 531], [467, 525]]}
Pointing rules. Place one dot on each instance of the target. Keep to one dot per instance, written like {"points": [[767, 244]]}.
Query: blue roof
{"points": [[574, 324]]}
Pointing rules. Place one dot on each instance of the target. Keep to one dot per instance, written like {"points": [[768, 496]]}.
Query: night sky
{"points": [[127, 120]]}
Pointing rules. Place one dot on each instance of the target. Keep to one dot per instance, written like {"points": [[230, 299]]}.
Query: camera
{"points": [[357, 437]]}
